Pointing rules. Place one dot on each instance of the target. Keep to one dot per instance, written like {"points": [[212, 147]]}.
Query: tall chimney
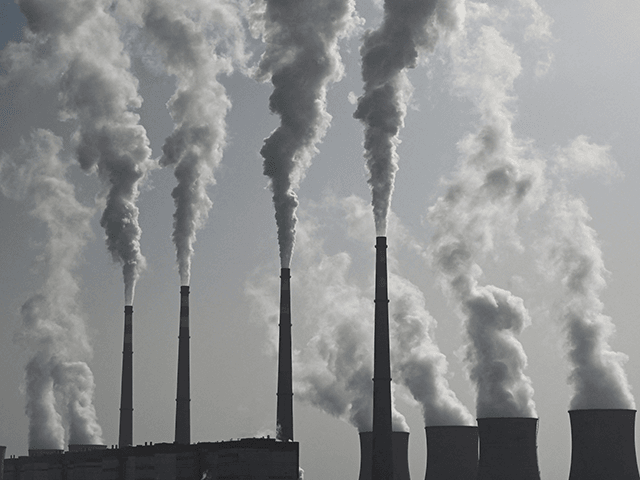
{"points": [[382, 457], [603, 445], [400, 445], [508, 448], [183, 396], [284, 409], [2, 453], [452, 452], [126, 390]]}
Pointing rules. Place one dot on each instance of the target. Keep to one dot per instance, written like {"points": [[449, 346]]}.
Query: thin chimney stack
{"points": [[183, 396], [382, 448], [284, 409], [125, 436]]}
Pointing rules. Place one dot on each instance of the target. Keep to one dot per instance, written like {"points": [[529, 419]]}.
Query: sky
{"points": [[533, 98]]}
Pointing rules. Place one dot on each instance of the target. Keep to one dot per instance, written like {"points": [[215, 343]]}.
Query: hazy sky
{"points": [[551, 85]]}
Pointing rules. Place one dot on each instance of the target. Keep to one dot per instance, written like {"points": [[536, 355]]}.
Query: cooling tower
{"points": [[183, 396], [2, 453], [284, 409], [125, 436], [382, 457], [452, 452], [603, 445], [508, 449], [400, 445]]}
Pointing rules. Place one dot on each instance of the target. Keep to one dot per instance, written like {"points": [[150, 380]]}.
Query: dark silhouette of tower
{"points": [[452, 452], [603, 445], [125, 436], [183, 397], [284, 411], [382, 457], [2, 453], [400, 445], [508, 449]]}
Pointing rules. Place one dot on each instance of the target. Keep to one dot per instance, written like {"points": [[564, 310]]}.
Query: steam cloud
{"points": [[198, 108], [80, 41], [408, 26], [497, 182], [59, 384], [301, 58]]}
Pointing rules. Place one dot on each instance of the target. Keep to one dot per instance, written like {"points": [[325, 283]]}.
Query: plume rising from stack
{"points": [[183, 396], [452, 452], [400, 445], [284, 409], [603, 445], [125, 435]]}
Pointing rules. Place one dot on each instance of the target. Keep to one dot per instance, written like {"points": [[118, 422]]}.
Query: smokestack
{"points": [[508, 448], [452, 452], [603, 445], [2, 453], [284, 412], [382, 457], [183, 396], [125, 437], [400, 446]]}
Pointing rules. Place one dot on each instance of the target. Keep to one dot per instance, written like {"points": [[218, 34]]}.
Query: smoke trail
{"points": [[301, 58], [53, 330], [408, 27], [198, 108], [574, 256], [497, 182], [98, 91], [416, 360]]}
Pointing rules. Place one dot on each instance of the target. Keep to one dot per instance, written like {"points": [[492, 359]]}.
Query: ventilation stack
{"points": [[508, 449], [183, 396], [603, 445], [452, 452], [284, 409], [400, 445], [382, 458], [3, 450], [125, 436]]}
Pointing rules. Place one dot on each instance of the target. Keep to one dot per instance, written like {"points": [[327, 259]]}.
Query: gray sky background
{"points": [[590, 89]]}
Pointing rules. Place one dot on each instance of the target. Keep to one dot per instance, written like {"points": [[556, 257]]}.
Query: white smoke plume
{"points": [[59, 384], [573, 254], [301, 58], [497, 183], [80, 41], [408, 27], [198, 107]]}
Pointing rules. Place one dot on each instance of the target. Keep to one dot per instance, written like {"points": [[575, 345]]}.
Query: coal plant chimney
{"points": [[3, 450], [452, 452], [183, 396], [400, 445], [284, 409], [508, 449], [125, 437], [603, 445], [382, 457]]}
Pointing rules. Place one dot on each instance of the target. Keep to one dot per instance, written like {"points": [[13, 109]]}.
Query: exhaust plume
{"points": [[80, 44], [59, 384], [407, 28], [497, 182], [574, 256], [301, 58], [198, 108]]}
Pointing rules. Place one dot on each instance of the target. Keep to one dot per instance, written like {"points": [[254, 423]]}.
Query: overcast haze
{"points": [[551, 86]]}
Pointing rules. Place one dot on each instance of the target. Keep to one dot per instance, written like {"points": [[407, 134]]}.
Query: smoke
{"points": [[301, 58], [198, 107], [408, 27], [59, 384], [78, 45], [498, 182], [573, 254]]}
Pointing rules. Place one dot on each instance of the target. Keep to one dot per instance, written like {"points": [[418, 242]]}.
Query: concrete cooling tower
{"points": [[508, 449], [400, 447], [603, 445], [452, 453]]}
